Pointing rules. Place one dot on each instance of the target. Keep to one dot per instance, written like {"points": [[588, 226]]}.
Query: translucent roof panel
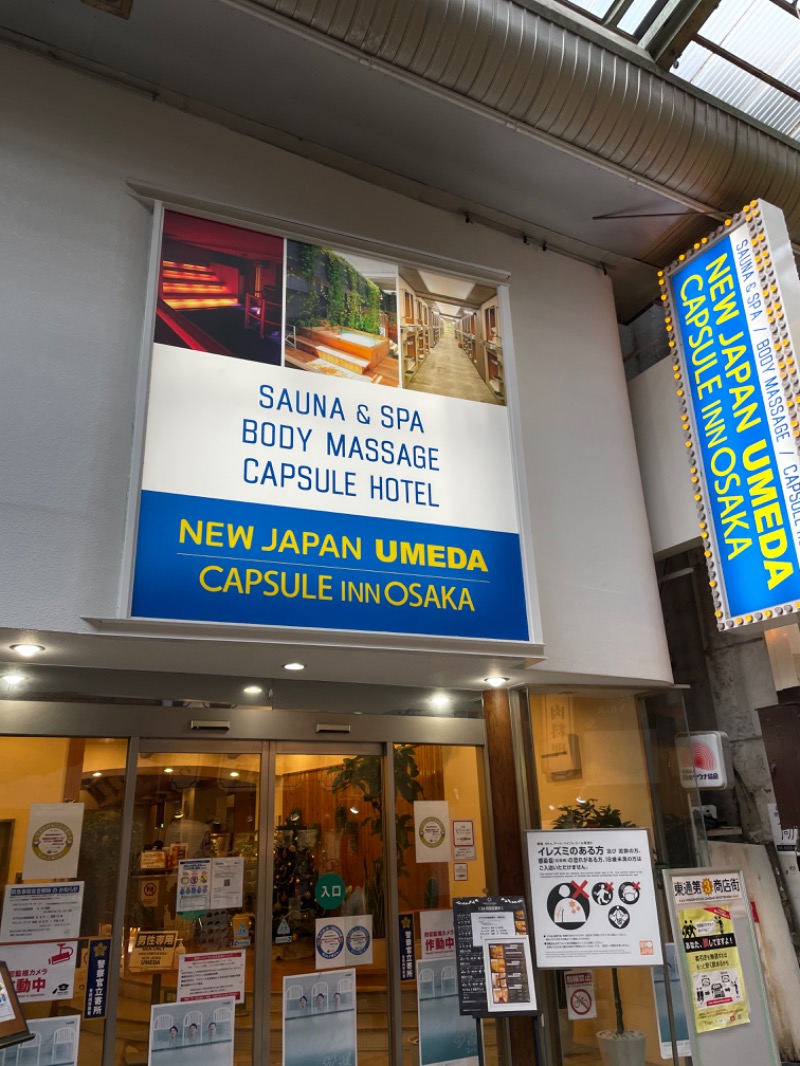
{"points": [[739, 88], [596, 8]]}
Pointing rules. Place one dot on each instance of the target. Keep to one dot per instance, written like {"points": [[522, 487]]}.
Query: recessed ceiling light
{"points": [[234, 773], [496, 682], [440, 701], [294, 666], [27, 651], [253, 690], [97, 773], [168, 770], [13, 678]]}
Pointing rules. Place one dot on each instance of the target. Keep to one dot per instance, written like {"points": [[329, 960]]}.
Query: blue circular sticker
{"points": [[358, 940], [330, 942]]}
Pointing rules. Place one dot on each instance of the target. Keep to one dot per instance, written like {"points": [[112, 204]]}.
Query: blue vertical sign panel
{"points": [[99, 954], [742, 437]]}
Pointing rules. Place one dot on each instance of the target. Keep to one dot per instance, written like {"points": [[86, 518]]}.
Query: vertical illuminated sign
{"points": [[732, 304]]}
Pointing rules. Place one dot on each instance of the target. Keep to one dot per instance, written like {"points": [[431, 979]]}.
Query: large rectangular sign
{"points": [[733, 313], [593, 898], [315, 460]]}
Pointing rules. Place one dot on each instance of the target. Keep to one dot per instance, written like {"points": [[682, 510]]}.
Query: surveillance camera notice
{"points": [[593, 898]]}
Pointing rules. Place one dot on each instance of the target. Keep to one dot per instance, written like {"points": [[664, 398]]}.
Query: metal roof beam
{"points": [[671, 26]]}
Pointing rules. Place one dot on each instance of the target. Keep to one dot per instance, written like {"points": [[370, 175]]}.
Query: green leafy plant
{"points": [[363, 772], [586, 814]]}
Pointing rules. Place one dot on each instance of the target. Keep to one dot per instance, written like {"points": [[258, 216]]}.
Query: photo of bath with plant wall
{"points": [[341, 315]]}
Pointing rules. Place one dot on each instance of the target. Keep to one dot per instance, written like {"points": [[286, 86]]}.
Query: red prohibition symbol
{"points": [[580, 1001]]}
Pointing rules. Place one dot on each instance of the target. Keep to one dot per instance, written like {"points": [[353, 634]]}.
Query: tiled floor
{"points": [[448, 371]]}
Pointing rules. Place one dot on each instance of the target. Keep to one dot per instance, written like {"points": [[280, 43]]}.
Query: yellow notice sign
{"points": [[153, 952], [719, 998]]}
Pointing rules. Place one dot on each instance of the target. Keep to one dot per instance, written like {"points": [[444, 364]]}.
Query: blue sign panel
{"points": [[739, 432], [99, 955]]}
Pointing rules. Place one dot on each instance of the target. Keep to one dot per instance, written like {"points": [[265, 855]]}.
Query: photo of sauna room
{"points": [[220, 289], [450, 339], [341, 315]]}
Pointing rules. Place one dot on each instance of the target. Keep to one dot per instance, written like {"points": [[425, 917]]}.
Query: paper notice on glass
{"points": [[41, 972], [57, 1043], [432, 830], [194, 885], [319, 1018], [211, 975], [437, 934], [199, 1033], [42, 912], [446, 1037], [509, 975], [343, 941], [53, 841], [227, 883]]}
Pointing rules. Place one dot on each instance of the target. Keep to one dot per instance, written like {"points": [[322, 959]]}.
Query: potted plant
{"points": [[619, 1046]]}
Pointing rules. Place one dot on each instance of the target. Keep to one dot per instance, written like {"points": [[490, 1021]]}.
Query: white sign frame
{"points": [[585, 883]]}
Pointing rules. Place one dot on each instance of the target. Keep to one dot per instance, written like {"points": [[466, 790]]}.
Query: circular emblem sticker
{"points": [[330, 942], [432, 832], [52, 841], [330, 892], [358, 939]]}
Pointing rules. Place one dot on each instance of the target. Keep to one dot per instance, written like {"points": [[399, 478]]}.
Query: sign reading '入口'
{"points": [[297, 471], [732, 305]]}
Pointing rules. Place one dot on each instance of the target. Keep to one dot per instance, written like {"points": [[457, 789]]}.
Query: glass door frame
{"points": [[167, 728]]}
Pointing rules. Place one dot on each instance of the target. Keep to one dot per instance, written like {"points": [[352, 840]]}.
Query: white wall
{"points": [[671, 510], [72, 291]]}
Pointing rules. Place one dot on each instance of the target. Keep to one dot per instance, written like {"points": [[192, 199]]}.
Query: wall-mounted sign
{"points": [[436, 934], [343, 941], [153, 951], [211, 975], [299, 469], [98, 957], [733, 315], [407, 960], [593, 897], [701, 760]]}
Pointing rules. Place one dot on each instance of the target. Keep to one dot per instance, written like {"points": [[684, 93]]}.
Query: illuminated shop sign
{"points": [[733, 305], [319, 454]]}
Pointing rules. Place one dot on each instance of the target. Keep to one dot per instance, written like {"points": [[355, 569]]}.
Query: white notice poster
{"points": [[432, 830], [593, 898], [194, 885], [41, 972], [53, 841], [227, 883], [211, 975], [42, 912], [437, 934], [343, 942], [319, 1019]]}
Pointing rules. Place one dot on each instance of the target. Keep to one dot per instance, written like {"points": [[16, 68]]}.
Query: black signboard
{"points": [[500, 916]]}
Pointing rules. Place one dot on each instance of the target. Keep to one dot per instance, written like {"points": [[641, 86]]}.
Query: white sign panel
{"points": [[431, 830], [53, 842], [41, 972], [437, 934], [211, 975], [581, 999], [343, 941], [42, 912], [593, 898], [297, 473], [227, 883]]}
